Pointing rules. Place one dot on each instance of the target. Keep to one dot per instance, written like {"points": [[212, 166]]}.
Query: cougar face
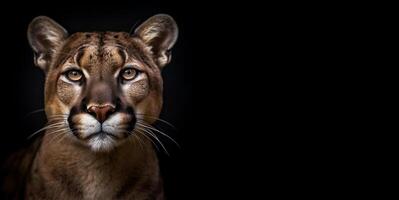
{"points": [[101, 86]]}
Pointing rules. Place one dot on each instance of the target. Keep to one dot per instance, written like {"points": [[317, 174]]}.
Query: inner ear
{"points": [[160, 33], [45, 36]]}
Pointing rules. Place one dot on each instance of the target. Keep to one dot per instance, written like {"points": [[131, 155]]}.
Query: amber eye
{"points": [[74, 75], [128, 74]]}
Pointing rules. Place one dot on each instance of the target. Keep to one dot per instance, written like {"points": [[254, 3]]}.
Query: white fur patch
{"points": [[102, 143], [88, 125], [111, 124]]}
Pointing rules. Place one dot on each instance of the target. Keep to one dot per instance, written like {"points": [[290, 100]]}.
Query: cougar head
{"points": [[102, 86]]}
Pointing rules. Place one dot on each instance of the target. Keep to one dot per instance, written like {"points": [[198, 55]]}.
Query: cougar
{"points": [[103, 90]]}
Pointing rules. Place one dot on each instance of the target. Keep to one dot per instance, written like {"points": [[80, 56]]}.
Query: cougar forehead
{"points": [[105, 50]]}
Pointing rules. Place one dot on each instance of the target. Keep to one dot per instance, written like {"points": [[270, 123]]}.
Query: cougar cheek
{"points": [[67, 92], [137, 90]]}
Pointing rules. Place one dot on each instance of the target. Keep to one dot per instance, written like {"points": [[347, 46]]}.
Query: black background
{"points": [[211, 88], [249, 90]]}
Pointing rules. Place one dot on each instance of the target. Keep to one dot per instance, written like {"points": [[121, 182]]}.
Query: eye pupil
{"points": [[129, 74], [74, 75]]}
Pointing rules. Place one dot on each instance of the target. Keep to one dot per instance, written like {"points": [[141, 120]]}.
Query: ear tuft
{"points": [[45, 36], [160, 33]]}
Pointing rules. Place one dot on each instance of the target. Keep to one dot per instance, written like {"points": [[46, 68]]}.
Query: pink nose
{"points": [[101, 112]]}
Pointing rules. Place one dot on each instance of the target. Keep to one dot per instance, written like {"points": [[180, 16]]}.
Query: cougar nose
{"points": [[101, 112]]}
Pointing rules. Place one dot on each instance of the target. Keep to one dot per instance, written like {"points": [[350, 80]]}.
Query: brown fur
{"points": [[129, 172], [62, 165]]}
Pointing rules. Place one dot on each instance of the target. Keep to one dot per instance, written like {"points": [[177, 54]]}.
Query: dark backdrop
{"points": [[241, 90], [22, 83]]}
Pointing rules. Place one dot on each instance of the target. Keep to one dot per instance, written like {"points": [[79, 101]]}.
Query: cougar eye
{"points": [[129, 74], [74, 75]]}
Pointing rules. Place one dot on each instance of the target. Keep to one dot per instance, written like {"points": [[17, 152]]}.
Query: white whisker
{"points": [[155, 137], [162, 133]]}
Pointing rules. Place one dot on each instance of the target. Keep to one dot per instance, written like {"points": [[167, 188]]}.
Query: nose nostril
{"points": [[84, 105], [118, 103]]}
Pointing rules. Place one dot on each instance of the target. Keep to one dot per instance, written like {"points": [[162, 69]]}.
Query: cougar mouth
{"points": [[105, 135], [102, 135]]}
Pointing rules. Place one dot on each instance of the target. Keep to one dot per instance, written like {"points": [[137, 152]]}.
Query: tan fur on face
{"points": [[106, 60]]}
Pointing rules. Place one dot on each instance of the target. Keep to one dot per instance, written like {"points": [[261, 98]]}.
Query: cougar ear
{"points": [[159, 32], [45, 36]]}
